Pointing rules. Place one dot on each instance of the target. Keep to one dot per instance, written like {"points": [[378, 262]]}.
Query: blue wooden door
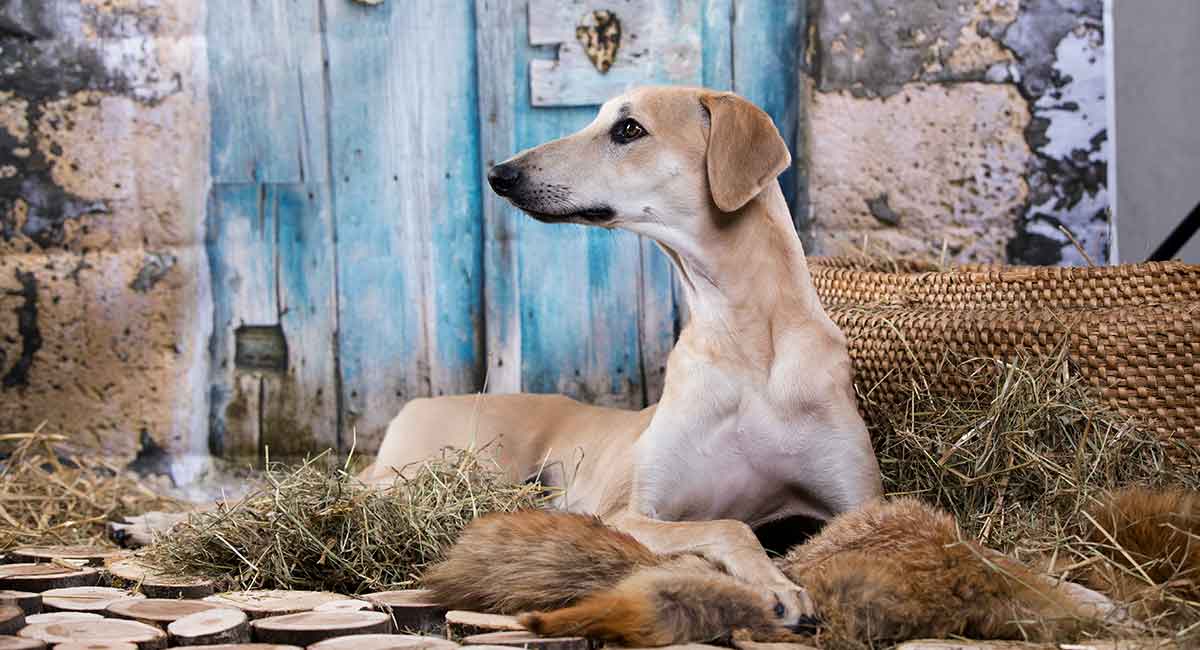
{"points": [[357, 261]]}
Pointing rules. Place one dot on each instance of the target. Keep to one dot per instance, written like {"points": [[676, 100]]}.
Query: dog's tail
{"points": [[534, 560], [1152, 541]]}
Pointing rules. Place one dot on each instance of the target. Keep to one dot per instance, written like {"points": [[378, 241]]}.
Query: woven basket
{"points": [[1131, 331]]}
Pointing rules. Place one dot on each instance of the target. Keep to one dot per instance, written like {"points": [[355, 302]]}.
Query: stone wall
{"points": [[104, 298], [964, 130]]}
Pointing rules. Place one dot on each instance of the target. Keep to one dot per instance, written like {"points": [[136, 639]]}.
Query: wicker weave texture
{"points": [[1131, 330]]}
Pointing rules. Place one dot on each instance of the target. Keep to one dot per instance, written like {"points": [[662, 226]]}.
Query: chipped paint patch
{"points": [[154, 268], [1075, 110], [1069, 176], [873, 50], [13, 111], [977, 50]]}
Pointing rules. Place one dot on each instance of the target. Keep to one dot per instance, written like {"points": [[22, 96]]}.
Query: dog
{"points": [[758, 420], [887, 572]]}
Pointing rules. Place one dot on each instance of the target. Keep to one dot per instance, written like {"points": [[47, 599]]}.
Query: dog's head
{"points": [[657, 160]]}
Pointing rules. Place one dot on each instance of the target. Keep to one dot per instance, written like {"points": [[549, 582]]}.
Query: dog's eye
{"points": [[780, 610], [627, 130]]}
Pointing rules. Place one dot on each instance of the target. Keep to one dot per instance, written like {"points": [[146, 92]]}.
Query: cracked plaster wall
{"points": [[103, 176], [968, 130]]}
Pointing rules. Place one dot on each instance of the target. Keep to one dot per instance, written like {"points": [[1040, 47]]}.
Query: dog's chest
{"points": [[720, 460]]}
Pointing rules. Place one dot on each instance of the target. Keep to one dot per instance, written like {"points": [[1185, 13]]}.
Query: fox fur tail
{"points": [[510, 563], [571, 575], [899, 569], [683, 600], [1151, 539]]}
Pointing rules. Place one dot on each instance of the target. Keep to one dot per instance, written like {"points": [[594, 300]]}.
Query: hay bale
{"points": [[52, 492], [318, 529]]}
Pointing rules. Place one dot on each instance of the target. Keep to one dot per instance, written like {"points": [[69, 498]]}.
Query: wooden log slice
{"points": [[385, 642], [94, 556], [143, 636], [17, 643], [158, 611], [136, 575], [346, 605], [61, 617], [246, 646], [411, 609], [273, 602], [44, 576], [96, 645], [400, 597], [29, 602], [528, 640], [215, 626], [84, 599], [12, 619], [460, 624], [307, 628]]}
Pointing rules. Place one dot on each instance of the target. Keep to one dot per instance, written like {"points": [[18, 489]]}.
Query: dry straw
{"points": [[54, 493], [314, 528]]}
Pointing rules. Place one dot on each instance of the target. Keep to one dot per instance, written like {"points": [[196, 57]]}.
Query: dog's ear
{"points": [[745, 150]]}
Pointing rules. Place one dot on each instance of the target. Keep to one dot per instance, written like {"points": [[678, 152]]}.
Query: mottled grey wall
{"points": [[104, 302], [968, 130]]}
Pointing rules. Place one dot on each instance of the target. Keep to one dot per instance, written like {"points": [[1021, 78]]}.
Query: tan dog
{"points": [[758, 420]]}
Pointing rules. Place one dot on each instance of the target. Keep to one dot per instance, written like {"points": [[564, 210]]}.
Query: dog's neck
{"points": [[747, 282]]}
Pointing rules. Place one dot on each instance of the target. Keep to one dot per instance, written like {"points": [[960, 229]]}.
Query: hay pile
{"points": [[321, 529], [1022, 462], [54, 493]]}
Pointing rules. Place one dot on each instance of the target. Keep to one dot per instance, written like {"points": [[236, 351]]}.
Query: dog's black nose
{"points": [[504, 178]]}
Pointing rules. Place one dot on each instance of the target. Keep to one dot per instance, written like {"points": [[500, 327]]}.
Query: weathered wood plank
{"points": [[241, 248], [406, 200], [717, 66], [495, 50], [262, 57], [660, 43], [578, 286], [299, 411], [768, 52]]}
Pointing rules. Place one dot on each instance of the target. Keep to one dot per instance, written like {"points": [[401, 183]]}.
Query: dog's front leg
{"points": [[727, 542]]}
